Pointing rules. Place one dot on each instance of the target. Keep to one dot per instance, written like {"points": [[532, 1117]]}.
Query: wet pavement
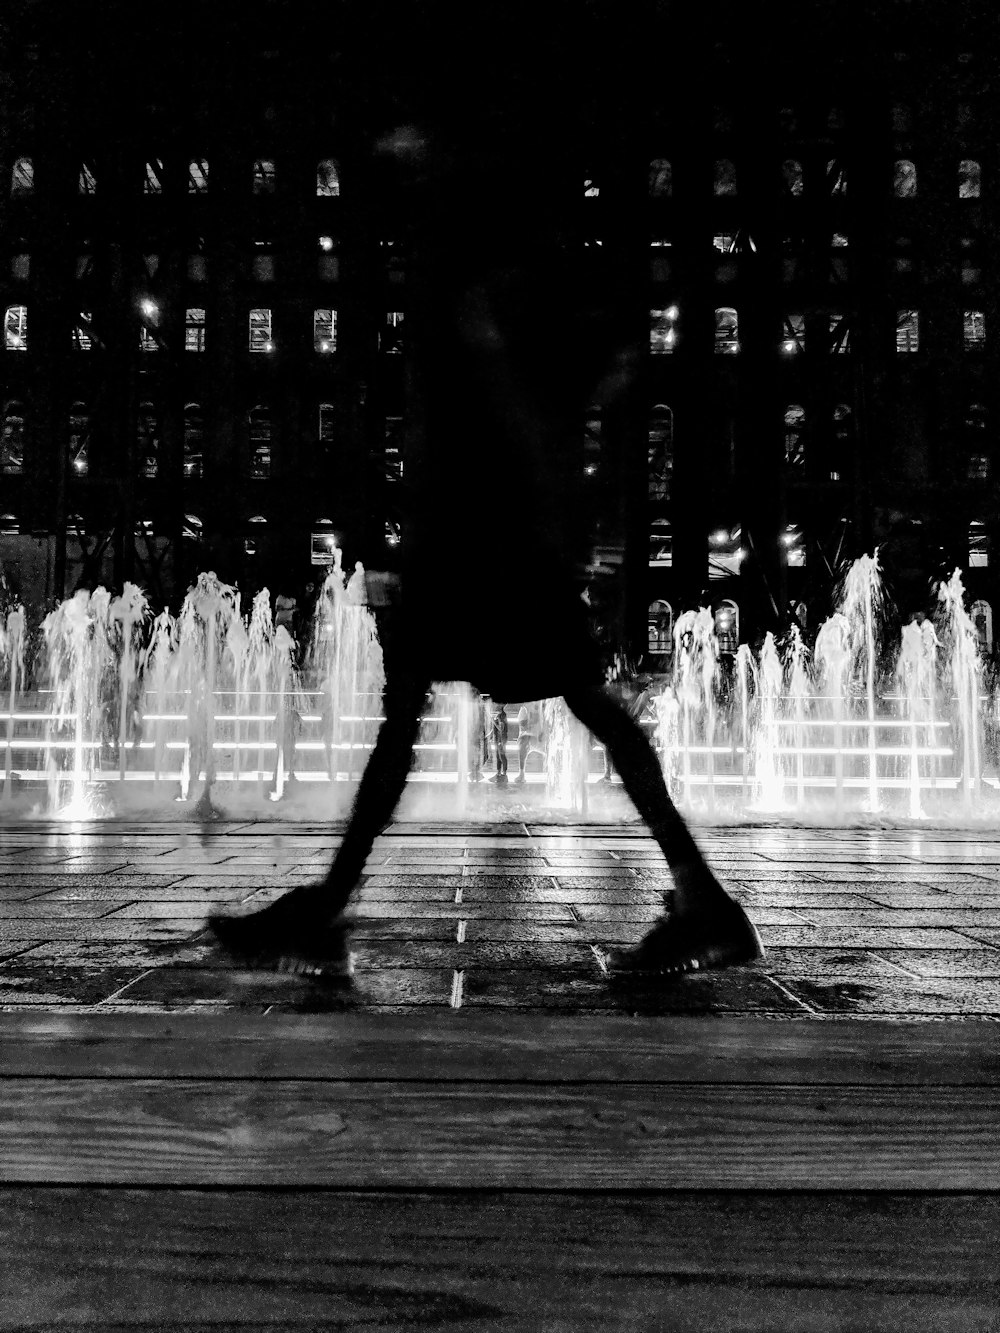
{"points": [[869, 923]]}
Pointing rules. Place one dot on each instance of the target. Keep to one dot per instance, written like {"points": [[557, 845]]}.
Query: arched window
{"points": [[327, 179], [979, 549], [791, 172], [194, 435], [148, 438], [79, 439], [661, 179], [12, 437], [22, 177], [660, 619], [795, 435], [15, 328], [727, 626], [727, 330], [263, 175], [725, 178], [969, 178], [974, 330], [904, 179], [982, 618], [660, 453], [260, 442]]}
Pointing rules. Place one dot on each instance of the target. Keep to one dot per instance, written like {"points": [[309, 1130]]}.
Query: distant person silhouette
{"points": [[504, 360]]}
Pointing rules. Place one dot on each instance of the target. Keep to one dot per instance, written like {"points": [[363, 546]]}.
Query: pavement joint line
{"points": [[460, 931], [457, 983], [131, 981]]}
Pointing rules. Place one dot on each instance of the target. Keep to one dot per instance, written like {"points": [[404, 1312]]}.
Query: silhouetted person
{"points": [[498, 733], [505, 361]]}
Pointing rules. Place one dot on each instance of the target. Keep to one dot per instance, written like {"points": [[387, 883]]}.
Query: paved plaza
{"points": [[867, 923]]}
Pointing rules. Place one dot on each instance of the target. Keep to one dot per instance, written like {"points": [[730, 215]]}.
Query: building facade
{"points": [[204, 286]]}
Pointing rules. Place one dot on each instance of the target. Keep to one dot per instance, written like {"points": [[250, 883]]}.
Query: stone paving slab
{"points": [[866, 923]]}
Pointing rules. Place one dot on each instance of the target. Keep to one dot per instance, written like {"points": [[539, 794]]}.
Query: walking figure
{"points": [[504, 363]]}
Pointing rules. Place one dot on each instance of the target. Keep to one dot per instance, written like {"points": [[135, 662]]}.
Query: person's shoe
{"points": [[292, 934], [501, 779], [519, 780], [715, 936]]}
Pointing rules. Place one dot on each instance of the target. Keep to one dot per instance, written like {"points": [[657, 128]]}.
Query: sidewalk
{"points": [[857, 923]]}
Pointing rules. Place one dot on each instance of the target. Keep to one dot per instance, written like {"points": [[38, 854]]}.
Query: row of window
{"points": [[260, 339], [154, 178], [14, 437], [661, 179], [835, 337]]}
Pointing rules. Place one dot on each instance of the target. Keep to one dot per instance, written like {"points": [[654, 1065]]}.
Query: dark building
{"points": [[204, 286]]}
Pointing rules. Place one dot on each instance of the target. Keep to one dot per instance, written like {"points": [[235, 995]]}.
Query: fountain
{"points": [[219, 709]]}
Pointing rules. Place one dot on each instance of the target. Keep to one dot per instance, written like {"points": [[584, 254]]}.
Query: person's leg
{"points": [[704, 926], [302, 931]]}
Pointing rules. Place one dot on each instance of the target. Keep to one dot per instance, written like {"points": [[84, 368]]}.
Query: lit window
{"points": [[795, 547], [12, 438], [325, 425], [969, 178], [839, 241], [791, 172], [659, 453], [15, 328], [974, 330], [725, 553], [153, 179], [724, 242], [591, 189], [87, 181], [391, 340], [836, 177], [260, 331], [148, 441], [904, 179], [22, 177], [660, 620], [840, 333], [727, 330], [194, 433], [794, 338], [325, 330], [79, 439], [907, 331], [663, 330], [979, 548], [198, 176], [795, 436], [194, 329], [263, 176], [260, 442], [393, 449], [327, 179], [661, 179], [83, 336], [724, 183], [148, 341], [727, 627], [661, 544]]}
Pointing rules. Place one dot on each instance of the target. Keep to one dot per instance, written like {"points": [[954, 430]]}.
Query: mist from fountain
{"points": [[218, 704]]}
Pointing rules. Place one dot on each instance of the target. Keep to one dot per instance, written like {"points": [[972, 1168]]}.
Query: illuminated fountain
{"points": [[219, 709]]}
